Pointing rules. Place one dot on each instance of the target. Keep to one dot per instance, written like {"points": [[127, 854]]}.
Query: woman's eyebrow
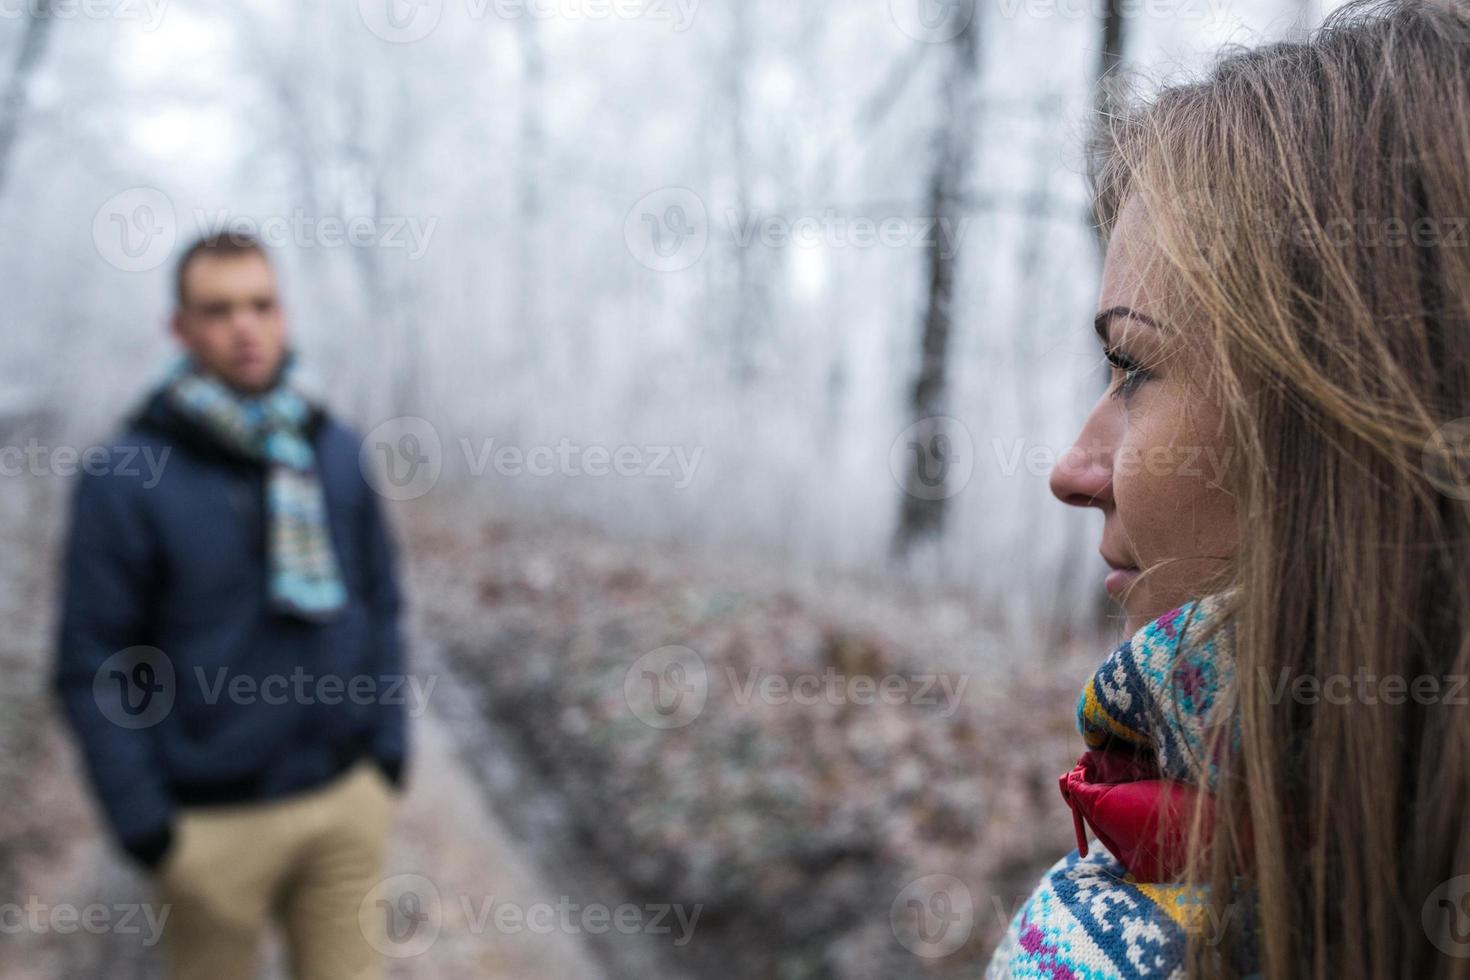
{"points": [[1105, 318]]}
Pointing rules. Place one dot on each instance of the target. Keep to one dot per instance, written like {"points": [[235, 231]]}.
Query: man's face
{"points": [[230, 320]]}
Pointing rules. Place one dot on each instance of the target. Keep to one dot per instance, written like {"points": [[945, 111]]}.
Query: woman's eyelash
{"points": [[1134, 374]]}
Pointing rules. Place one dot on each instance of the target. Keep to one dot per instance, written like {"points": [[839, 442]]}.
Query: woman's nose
{"points": [[1083, 475]]}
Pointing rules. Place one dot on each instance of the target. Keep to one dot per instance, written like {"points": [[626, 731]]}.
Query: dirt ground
{"points": [[474, 822]]}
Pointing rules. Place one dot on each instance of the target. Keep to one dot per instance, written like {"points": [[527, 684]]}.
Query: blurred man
{"points": [[230, 653]]}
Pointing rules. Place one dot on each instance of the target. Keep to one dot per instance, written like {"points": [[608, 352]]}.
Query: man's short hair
{"points": [[223, 245]]}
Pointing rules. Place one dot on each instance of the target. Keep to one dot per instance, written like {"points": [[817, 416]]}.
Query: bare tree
{"points": [[748, 311], [1111, 56], [345, 128], [1110, 60], [921, 514], [1035, 269], [529, 200], [14, 102]]}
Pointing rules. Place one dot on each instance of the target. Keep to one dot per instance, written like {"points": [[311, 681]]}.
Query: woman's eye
{"points": [[1133, 374]]}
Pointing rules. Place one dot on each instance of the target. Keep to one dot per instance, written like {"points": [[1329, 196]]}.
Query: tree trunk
{"points": [[15, 101], [532, 163], [1109, 58], [747, 317], [921, 515], [1114, 39]]}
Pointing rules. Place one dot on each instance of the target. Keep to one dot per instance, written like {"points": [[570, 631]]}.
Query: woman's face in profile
{"points": [[1153, 453]]}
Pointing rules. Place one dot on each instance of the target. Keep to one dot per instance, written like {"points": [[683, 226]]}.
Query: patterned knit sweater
{"points": [[1161, 690]]}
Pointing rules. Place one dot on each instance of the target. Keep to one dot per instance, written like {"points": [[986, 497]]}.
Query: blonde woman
{"points": [[1276, 777]]}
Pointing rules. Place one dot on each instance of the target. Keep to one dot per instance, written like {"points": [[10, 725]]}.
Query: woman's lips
{"points": [[1118, 580]]}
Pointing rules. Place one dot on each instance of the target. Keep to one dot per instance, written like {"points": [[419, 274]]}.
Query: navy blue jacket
{"points": [[260, 706]]}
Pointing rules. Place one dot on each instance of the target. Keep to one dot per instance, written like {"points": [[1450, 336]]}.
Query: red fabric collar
{"points": [[1141, 818]]}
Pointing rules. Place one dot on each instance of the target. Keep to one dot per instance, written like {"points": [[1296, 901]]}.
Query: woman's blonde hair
{"points": [[1313, 198]]}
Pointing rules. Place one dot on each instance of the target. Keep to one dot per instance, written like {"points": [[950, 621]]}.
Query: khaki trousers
{"points": [[306, 862]]}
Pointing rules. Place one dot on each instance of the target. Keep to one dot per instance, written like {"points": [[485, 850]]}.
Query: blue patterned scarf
{"points": [[1163, 689], [304, 578]]}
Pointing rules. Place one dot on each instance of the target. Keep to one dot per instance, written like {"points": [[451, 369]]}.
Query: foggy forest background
{"points": [[826, 270], [518, 138]]}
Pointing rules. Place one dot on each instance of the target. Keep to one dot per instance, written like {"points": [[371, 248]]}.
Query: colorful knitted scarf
{"points": [[305, 580], [1158, 695]]}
